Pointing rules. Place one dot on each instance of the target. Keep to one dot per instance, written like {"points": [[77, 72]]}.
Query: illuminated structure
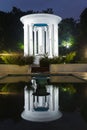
{"points": [[41, 35], [41, 103]]}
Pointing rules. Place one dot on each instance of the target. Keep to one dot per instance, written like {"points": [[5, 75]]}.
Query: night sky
{"points": [[63, 8]]}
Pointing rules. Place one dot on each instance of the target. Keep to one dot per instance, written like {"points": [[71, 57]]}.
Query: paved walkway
{"points": [[82, 75]]}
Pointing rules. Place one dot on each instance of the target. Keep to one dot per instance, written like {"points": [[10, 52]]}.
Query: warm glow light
{"points": [[8, 93]]}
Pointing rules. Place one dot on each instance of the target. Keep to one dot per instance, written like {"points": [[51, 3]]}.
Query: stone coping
{"points": [[54, 78]]}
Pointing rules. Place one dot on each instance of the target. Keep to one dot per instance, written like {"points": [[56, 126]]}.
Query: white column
{"points": [[31, 101], [26, 99], [51, 99], [47, 41], [35, 102], [56, 98], [50, 40], [30, 40], [35, 39], [40, 101], [40, 40], [47, 101], [48, 97], [56, 53], [26, 40], [43, 41], [44, 101]]}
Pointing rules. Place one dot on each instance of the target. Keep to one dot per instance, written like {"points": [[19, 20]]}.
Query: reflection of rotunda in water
{"points": [[41, 103]]}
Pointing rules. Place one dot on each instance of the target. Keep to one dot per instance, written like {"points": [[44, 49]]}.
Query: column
{"points": [[26, 40], [26, 99], [51, 101], [35, 40], [48, 97], [30, 40], [31, 100], [35, 102], [47, 41], [47, 101], [40, 40], [56, 98], [44, 101], [50, 40], [43, 40], [56, 40], [40, 101]]}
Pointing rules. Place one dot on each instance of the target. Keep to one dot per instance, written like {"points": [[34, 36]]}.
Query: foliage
{"points": [[14, 58], [70, 57], [69, 42], [56, 60], [69, 88], [67, 36], [49, 11], [21, 46], [12, 87], [28, 59], [68, 97], [83, 24], [8, 58], [82, 35], [82, 60], [67, 28], [44, 62]]}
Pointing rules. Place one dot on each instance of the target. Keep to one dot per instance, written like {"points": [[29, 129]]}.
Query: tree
{"points": [[49, 11], [11, 30], [82, 35], [67, 35]]}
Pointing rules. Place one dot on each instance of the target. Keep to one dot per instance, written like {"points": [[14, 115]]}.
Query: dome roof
{"points": [[40, 18]]}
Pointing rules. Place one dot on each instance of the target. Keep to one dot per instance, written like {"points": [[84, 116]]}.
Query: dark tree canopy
{"points": [[11, 29], [67, 27], [82, 34], [67, 35]]}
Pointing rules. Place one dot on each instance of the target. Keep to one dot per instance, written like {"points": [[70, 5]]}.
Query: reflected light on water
{"points": [[41, 104]]}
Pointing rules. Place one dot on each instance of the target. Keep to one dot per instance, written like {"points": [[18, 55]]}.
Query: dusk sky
{"points": [[63, 8]]}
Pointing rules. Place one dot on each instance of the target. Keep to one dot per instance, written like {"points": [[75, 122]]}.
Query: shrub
{"points": [[70, 57], [8, 59], [28, 59], [56, 60], [83, 60], [18, 59], [44, 62]]}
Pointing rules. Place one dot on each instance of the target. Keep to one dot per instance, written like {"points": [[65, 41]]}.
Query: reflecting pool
{"points": [[41, 102], [58, 100]]}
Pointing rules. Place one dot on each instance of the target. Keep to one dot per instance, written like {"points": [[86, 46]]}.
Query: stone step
{"points": [[39, 69]]}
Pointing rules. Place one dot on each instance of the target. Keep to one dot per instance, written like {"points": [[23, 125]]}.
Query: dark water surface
{"points": [[72, 102]]}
